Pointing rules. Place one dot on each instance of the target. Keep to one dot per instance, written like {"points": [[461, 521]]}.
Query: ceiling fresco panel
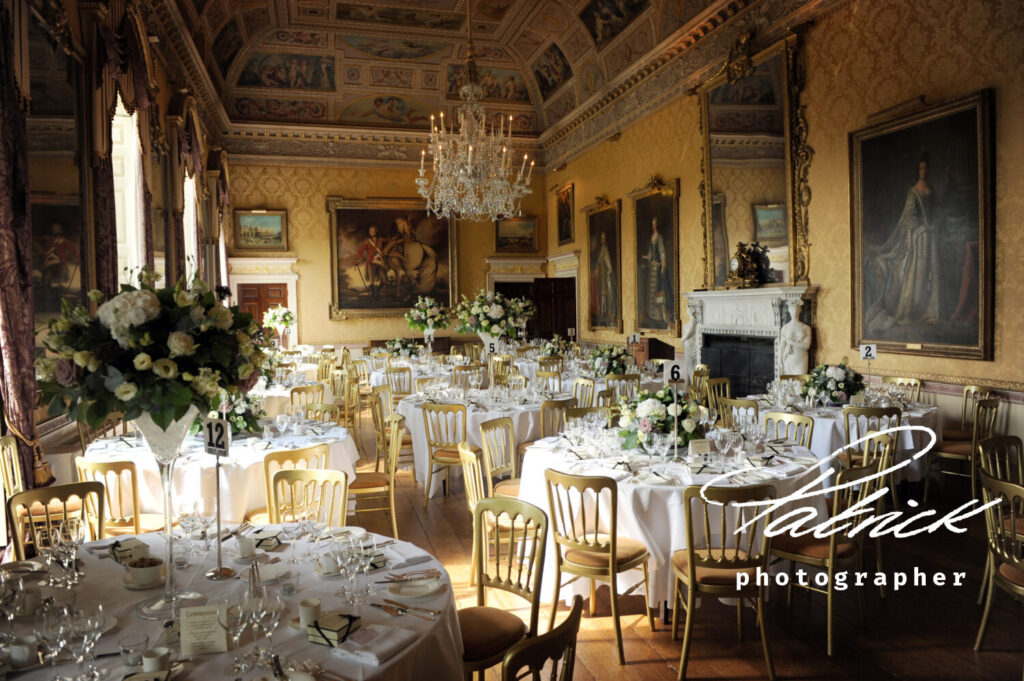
{"points": [[393, 49], [632, 46], [398, 16], [552, 71], [279, 110], [505, 85], [494, 10], [297, 37], [606, 19], [386, 110], [391, 77], [226, 46], [288, 71]]}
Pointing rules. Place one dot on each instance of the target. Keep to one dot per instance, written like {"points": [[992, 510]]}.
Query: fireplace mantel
{"points": [[758, 312]]}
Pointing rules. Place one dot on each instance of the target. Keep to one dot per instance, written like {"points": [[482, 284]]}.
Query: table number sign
{"points": [[869, 351], [673, 372], [216, 436], [201, 632]]}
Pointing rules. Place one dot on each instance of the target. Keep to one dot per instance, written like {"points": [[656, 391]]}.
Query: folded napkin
{"points": [[548, 442], [406, 555], [375, 643]]}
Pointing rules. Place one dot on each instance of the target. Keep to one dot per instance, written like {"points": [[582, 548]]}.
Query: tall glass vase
{"points": [[166, 447], [428, 338]]}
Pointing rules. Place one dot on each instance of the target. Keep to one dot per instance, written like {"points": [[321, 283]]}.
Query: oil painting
{"points": [[604, 247], [565, 215], [288, 72], [56, 254], [499, 85], [606, 19], [515, 235], [393, 48], [385, 254], [386, 110], [261, 230], [657, 262], [770, 226], [445, 21], [552, 69], [922, 201]]}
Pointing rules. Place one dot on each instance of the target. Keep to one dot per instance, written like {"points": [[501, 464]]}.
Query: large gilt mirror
{"points": [[755, 161]]}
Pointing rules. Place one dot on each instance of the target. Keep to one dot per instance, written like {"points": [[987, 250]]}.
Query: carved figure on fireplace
{"points": [[794, 341], [690, 359]]}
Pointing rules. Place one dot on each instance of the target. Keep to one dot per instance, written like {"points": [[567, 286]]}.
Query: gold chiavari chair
{"points": [[552, 420], [705, 568], [530, 656], [623, 385], [553, 363], [382, 412], [858, 421], [346, 357], [399, 379], [324, 413], [880, 447], [283, 369], [516, 382], [584, 548], [314, 457], [837, 551], [734, 410], [362, 367], [912, 386], [522, 352], [86, 433], [797, 429], [293, 355], [324, 366], [306, 394], [461, 374], [498, 369], [121, 495], [321, 494], [510, 537], [983, 423], [473, 351], [424, 382], [14, 481], [583, 391], [717, 388], [1005, 554], [445, 426], [379, 360], [498, 438], [699, 384], [1002, 458], [583, 412], [965, 431], [605, 398], [380, 487], [45, 508]]}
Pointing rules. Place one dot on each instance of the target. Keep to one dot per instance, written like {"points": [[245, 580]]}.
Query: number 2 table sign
{"points": [[217, 441]]}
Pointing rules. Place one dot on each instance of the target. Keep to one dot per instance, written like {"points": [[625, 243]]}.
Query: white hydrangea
{"points": [[496, 311], [128, 309], [650, 408], [835, 373]]}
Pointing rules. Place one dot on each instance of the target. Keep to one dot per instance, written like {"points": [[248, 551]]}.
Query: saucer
{"points": [[327, 575], [295, 624], [245, 560], [127, 583], [416, 589]]}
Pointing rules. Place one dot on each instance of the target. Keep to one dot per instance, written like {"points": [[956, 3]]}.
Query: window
{"points": [[191, 225], [126, 158]]}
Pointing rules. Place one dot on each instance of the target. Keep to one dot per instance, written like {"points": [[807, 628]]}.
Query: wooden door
{"points": [[556, 306], [256, 299]]}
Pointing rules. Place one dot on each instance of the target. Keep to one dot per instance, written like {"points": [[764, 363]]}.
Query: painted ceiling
{"points": [[392, 64]]}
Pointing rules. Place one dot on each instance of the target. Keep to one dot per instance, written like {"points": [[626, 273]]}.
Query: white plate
{"points": [[356, 533], [245, 560], [417, 589], [268, 573], [23, 567], [132, 587]]}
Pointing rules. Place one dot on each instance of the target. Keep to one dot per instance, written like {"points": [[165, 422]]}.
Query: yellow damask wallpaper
{"points": [[302, 190], [743, 187]]}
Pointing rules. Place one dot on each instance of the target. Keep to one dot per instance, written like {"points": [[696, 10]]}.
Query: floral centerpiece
{"points": [[158, 356], [523, 310], [401, 346], [608, 359], [656, 412], [244, 416], [557, 346], [427, 313], [838, 381], [486, 313], [279, 319]]}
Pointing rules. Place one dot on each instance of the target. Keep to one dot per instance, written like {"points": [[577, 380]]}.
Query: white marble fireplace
{"points": [[753, 313]]}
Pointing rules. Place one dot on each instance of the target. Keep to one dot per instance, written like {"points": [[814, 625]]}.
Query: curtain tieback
{"points": [[42, 475]]}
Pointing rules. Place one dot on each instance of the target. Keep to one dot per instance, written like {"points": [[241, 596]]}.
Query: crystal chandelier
{"points": [[473, 167]]}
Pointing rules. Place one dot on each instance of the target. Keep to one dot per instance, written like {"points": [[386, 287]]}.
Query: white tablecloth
{"points": [[650, 511], [437, 648], [243, 483], [379, 376], [277, 398], [525, 422]]}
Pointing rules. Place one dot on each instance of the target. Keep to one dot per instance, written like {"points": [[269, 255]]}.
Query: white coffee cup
{"points": [[22, 651], [246, 546], [145, 571], [156, 659], [309, 611]]}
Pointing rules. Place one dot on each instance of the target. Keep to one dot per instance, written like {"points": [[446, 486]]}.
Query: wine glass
{"points": [[12, 601], [53, 630], [366, 554], [88, 623], [233, 614], [206, 510], [292, 530], [281, 421], [73, 534], [271, 608]]}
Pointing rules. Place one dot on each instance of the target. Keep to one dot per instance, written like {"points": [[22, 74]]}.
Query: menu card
{"points": [[201, 631]]}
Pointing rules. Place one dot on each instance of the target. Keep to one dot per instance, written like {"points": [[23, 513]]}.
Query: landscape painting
{"points": [[657, 248], [922, 205], [606, 19], [56, 255], [515, 235], [604, 247], [552, 69], [288, 72], [387, 110], [770, 227], [446, 21], [393, 48], [386, 253], [261, 230], [499, 85]]}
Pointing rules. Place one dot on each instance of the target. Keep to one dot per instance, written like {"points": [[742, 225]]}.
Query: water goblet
{"points": [[292, 530], [233, 614]]}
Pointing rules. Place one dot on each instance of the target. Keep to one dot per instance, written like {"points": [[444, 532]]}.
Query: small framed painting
{"points": [[770, 227], [515, 235], [261, 230]]}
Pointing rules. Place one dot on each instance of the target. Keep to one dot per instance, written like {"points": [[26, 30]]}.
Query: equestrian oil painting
{"points": [[387, 253]]}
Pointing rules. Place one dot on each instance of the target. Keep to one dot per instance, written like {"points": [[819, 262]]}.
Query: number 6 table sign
{"points": [[217, 439], [673, 372]]}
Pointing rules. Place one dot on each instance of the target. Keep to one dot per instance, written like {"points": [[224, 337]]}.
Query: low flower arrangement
{"points": [[656, 412], [838, 381], [150, 351], [492, 313], [557, 346], [401, 346], [244, 416], [427, 313], [279, 318], [609, 359]]}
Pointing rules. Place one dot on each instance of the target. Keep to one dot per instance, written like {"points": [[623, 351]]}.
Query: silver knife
{"points": [[390, 601]]}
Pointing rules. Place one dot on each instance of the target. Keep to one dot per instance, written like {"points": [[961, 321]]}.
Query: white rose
{"points": [[184, 298], [675, 409], [126, 391], [221, 317], [82, 358], [165, 368], [180, 343], [625, 420], [689, 425], [142, 362], [496, 311], [650, 408]]}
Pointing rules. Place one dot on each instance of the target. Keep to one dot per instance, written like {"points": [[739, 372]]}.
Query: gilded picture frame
{"points": [[260, 231], [604, 253], [922, 229], [385, 253], [516, 235], [656, 215]]}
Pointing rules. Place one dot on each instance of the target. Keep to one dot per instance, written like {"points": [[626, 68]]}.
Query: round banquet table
{"points": [[650, 508], [277, 399], [530, 367], [243, 482], [830, 435], [437, 646], [525, 423]]}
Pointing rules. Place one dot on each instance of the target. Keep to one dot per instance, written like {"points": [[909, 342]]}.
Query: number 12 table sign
{"points": [[217, 441]]}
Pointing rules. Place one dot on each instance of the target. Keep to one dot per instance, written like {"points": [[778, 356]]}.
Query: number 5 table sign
{"points": [[217, 440]]}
